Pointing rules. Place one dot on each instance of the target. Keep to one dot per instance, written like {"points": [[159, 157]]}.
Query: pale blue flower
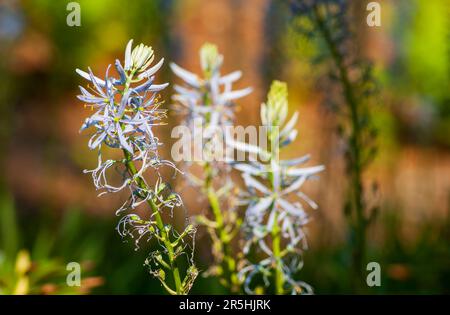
{"points": [[274, 198], [124, 119], [125, 108], [190, 97]]}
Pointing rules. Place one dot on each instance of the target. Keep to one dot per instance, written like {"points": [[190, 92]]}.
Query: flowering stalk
{"points": [[125, 111], [353, 76], [273, 224], [208, 104]]}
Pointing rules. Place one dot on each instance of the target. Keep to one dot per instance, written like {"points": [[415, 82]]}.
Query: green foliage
{"points": [[36, 270], [427, 49]]}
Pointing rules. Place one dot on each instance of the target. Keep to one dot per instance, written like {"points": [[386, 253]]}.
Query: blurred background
{"points": [[49, 211]]}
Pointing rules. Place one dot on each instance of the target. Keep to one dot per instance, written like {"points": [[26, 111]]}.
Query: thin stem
{"points": [[355, 141], [159, 222], [276, 231], [228, 263], [276, 248]]}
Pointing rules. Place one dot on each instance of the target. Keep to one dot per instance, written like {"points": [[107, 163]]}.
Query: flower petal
{"points": [[128, 55]]}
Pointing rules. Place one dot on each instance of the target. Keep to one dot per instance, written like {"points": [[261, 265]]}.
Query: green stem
{"points": [[359, 225], [228, 263], [276, 231], [276, 248], [159, 222]]}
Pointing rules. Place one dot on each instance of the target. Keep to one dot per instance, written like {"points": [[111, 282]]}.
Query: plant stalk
{"points": [[228, 263], [159, 222], [359, 222], [276, 247]]}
